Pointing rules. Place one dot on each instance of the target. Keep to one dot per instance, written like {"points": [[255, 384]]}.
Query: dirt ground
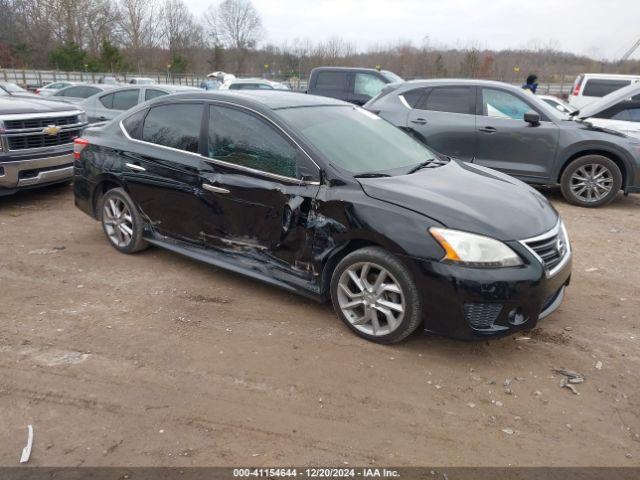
{"points": [[155, 359]]}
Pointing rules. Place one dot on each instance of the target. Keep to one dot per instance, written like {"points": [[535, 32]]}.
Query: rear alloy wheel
{"points": [[591, 181], [374, 294], [121, 222]]}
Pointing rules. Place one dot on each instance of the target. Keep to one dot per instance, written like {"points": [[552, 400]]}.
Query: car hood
{"points": [[469, 197], [610, 100], [26, 104]]}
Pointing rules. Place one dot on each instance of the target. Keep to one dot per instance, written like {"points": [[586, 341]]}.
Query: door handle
{"points": [[135, 167], [419, 121], [214, 189], [488, 130]]}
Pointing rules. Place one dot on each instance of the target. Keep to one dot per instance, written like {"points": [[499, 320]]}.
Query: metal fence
{"points": [[37, 78]]}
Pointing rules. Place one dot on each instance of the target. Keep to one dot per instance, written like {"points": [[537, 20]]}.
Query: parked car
{"points": [[251, 84], [14, 89], [109, 104], [501, 126], [51, 88], [619, 111], [36, 141], [557, 103], [77, 93], [589, 87], [325, 199], [355, 85], [142, 81], [109, 80]]}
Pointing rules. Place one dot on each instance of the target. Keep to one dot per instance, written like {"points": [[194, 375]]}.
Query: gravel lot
{"points": [[155, 359]]}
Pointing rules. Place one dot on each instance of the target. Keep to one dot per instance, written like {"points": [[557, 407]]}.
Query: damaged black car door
{"points": [[258, 201]]}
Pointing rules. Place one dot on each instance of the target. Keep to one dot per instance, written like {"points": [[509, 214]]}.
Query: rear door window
{"points": [[450, 99], [76, 92], [175, 126], [125, 99], [599, 88], [332, 81], [243, 139]]}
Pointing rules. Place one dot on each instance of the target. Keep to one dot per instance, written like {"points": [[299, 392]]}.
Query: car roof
{"points": [[349, 69], [263, 99], [453, 81], [610, 75]]}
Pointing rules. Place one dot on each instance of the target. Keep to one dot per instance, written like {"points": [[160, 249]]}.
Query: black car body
{"points": [[36, 141], [484, 122], [295, 228], [354, 85]]}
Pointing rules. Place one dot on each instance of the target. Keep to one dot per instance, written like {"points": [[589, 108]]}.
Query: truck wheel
{"points": [[591, 181], [121, 221], [375, 296]]}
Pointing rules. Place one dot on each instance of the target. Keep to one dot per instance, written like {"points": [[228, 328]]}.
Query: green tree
{"points": [[68, 56], [111, 58], [178, 63]]}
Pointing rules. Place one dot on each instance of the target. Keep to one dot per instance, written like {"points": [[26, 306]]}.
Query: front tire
{"points": [[591, 181], [375, 295], [121, 221]]}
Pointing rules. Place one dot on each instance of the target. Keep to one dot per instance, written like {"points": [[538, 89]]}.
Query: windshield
{"points": [[392, 77], [548, 109], [3, 93], [12, 87], [356, 140]]}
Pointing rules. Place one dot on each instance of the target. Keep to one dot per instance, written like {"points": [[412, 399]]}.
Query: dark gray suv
{"points": [[503, 127]]}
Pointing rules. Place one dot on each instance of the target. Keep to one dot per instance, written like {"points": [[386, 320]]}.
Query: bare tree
{"points": [[139, 27], [237, 25]]}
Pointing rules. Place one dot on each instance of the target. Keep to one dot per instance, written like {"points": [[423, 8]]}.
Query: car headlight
{"points": [[474, 250], [83, 118]]}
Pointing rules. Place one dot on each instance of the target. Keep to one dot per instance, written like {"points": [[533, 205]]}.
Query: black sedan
{"points": [[325, 199]]}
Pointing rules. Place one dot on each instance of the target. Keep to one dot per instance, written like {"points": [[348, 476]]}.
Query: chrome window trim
{"points": [[545, 236], [28, 116], [222, 162]]}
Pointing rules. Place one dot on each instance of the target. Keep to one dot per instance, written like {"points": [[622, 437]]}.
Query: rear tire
{"points": [[591, 181], [121, 221], [375, 295]]}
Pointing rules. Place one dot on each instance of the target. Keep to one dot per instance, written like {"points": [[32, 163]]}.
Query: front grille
{"points": [[551, 250], [39, 140], [40, 122], [482, 315]]}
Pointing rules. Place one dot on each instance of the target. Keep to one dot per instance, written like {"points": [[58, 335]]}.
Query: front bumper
{"points": [[19, 174], [471, 303]]}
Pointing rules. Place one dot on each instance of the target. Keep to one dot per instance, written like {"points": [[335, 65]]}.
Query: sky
{"points": [[602, 29]]}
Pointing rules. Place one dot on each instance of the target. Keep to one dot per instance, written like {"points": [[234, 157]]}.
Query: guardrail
{"points": [[37, 78]]}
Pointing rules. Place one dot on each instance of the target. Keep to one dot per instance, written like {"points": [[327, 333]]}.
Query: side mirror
{"points": [[533, 118]]}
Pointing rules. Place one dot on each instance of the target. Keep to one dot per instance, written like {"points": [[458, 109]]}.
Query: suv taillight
{"points": [[79, 144], [577, 85]]}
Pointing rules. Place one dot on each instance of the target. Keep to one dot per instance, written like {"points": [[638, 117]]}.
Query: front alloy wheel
{"points": [[375, 295]]}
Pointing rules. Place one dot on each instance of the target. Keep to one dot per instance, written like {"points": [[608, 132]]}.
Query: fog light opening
{"points": [[516, 317]]}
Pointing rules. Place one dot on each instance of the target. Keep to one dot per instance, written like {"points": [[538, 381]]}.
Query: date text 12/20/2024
{"points": [[316, 472]]}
